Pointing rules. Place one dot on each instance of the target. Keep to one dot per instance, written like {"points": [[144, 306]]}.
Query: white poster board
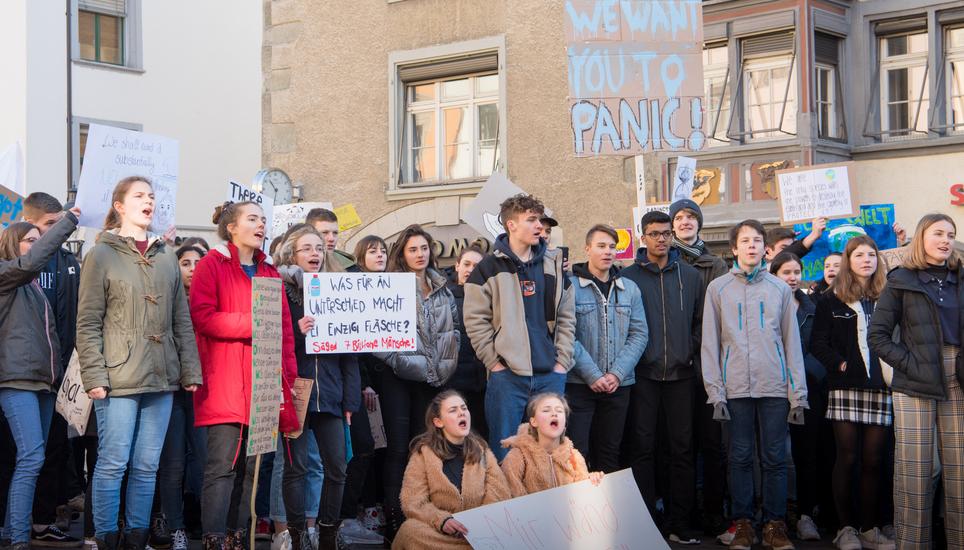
{"points": [[73, 403], [286, 215], [266, 339], [639, 212], [639, 163], [11, 169], [483, 213], [360, 312], [683, 179], [576, 517], [115, 153], [822, 191]]}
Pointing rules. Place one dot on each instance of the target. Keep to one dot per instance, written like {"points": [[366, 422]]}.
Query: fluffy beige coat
{"points": [[529, 468]]}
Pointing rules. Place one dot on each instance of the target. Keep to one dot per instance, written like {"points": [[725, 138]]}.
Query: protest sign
{"points": [[266, 338], [115, 153], [347, 217], [360, 312], [625, 249], [73, 403], [683, 178], [638, 214], [483, 213], [11, 207], [635, 75], [286, 215], [824, 191], [639, 163], [241, 193], [11, 169], [578, 516], [874, 220], [893, 257], [301, 393], [377, 425]]}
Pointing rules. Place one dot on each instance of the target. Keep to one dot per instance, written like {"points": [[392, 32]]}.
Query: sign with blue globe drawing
{"points": [[875, 220]]}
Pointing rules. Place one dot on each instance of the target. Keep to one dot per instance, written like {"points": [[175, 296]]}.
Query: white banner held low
{"points": [[361, 312], [576, 517]]}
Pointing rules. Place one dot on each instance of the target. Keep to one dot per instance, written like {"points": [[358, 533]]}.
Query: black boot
{"points": [[110, 541], [299, 538], [135, 540], [327, 536], [210, 542], [160, 536]]}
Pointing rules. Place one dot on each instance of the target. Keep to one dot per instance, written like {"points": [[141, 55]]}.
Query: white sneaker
{"points": [[847, 539], [90, 544], [372, 520], [313, 537], [726, 537], [807, 529], [874, 539], [281, 541], [179, 540]]}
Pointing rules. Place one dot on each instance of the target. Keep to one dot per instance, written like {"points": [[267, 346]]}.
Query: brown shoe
{"points": [[775, 536], [745, 536]]}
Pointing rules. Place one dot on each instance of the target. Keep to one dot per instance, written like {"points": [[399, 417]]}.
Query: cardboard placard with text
{"points": [[300, 396], [819, 191], [266, 338]]}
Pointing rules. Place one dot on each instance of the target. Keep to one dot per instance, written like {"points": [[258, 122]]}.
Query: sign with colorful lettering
{"points": [[578, 516], [635, 75], [625, 249], [11, 207], [116, 153], [266, 338], [361, 312], [874, 220], [822, 191]]}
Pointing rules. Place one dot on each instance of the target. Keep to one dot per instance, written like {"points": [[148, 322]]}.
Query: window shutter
{"points": [[109, 7], [826, 49], [462, 65], [767, 45], [897, 26]]}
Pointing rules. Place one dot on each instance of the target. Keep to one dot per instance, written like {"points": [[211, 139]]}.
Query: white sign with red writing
{"points": [[576, 516], [360, 312]]}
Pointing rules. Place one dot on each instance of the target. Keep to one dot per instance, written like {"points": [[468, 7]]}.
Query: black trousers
{"points": [[596, 424], [709, 444], [813, 454], [675, 400], [54, 480], [228, 480], [362, 450], [403, 412]]}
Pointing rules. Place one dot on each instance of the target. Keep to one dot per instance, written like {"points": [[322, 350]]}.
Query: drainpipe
{"points": [[70, 110]]}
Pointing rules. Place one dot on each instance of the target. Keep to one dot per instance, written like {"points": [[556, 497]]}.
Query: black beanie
{"points": [[686, 204]]}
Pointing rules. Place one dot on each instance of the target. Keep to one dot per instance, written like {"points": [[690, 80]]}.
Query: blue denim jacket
{"points": [[611, 332]]}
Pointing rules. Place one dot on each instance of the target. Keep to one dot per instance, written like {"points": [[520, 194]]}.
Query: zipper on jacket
{"points": [[726, 360], [783, 364], [761, 315], [739, 310], [662, 297]]}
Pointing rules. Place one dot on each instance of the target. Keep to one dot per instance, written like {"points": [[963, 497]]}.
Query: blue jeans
{"points": [[277, 507], [28, 414], [771, 414], [131, 430], [314, 479], [506, 396]]}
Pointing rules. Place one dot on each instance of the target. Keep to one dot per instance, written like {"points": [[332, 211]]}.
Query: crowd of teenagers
{"points": [[729, 391]]}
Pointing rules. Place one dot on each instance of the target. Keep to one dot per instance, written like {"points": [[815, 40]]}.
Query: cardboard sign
{"points": [[11, 169], [683, 178], [483, 213], [894, 257], [361, 312], [625, 248], [266, 338], [115, 153], [638, 214], [286, 215], [822, 191], [241, 193], [302, 392], [635, 75], [377, 425], [578, 516], [11, 207], [347, 217], [874, 220], [73, 403]]}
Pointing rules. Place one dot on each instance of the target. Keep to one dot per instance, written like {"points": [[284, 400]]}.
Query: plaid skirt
{"points": [[874, 407]]}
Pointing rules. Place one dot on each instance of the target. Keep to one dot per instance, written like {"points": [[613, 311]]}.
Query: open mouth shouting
{"points": [[315, 264]]}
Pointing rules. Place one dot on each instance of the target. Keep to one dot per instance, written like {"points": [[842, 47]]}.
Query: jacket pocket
{"points": [[117, 352]]}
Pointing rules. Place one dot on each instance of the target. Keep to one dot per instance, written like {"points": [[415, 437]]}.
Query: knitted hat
{"points": [[686, 204]]}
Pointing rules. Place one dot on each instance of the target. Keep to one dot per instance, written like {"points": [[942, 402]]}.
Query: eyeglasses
{"points": [[660, 235], [308, 249]]}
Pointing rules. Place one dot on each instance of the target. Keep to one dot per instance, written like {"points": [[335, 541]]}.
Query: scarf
{"points": [[694, 250]]}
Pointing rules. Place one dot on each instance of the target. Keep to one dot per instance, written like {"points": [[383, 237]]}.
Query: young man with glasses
{"points": [[673, 297]]}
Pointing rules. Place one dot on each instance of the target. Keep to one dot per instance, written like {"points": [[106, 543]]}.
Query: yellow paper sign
{"points": [[347, 217]]}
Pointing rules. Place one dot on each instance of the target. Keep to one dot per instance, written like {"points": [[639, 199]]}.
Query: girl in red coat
{"points": [[221, 311]]}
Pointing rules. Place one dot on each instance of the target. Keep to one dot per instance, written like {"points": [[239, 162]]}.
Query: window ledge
{"points": [[109, 66], [430, 191], [908, 147]]}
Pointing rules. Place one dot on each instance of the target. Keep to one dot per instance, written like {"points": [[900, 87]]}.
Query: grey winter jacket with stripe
{"points": [[751, 340]]}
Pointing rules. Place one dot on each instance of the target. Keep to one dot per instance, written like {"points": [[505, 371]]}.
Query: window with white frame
{"points": [[825, 82], [904, 99], [954, 78], [452, 129], [769, 97], [716, 87]]}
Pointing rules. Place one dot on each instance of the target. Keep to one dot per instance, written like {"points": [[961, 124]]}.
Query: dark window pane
{"points": [[897, 45], [897, 88], [899, 116]]}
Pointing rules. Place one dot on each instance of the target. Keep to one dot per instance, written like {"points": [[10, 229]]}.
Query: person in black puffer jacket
{"points": [[469, 377], [916, 329]]}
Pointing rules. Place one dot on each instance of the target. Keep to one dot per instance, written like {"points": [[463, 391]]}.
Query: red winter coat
{"points": [[221, 311]]}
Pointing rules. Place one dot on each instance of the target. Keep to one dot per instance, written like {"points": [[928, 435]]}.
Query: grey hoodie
{"points": [[751, 340]]}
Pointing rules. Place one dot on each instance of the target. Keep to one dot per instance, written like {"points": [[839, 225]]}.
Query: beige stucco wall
{"points": [[326, 110]]}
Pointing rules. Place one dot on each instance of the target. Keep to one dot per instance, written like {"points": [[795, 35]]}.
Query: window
{"points": [[903, 85], [101, 35], [954, 78], [717, 93], [825, 82], [452, 129], [770, 97], [827, 98]]}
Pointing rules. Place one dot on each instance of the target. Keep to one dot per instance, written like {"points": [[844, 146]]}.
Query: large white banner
{"points": [[576, 517]]}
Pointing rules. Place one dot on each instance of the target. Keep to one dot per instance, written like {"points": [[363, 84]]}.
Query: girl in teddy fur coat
{"points": [[541, 456], [450, 470]]}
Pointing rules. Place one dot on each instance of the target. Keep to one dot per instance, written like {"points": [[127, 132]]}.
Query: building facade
{"points": [[190, 71], [404, 107]]}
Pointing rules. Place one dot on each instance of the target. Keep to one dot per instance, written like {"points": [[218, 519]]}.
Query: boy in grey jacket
{"points": [[751, 313]]}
